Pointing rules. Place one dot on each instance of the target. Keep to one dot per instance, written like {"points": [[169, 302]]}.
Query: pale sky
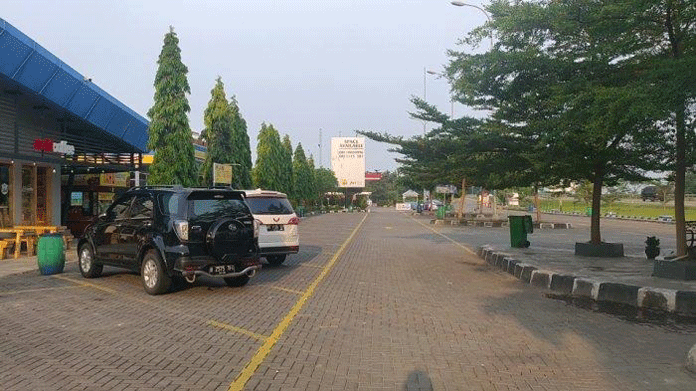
{"points": [[299, 65]]}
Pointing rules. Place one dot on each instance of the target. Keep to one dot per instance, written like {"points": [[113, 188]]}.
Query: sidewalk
{"points": [[24, 264], [627, 280]]}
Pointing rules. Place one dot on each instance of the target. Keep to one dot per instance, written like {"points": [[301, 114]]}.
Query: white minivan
{"points": [[278, 224]]}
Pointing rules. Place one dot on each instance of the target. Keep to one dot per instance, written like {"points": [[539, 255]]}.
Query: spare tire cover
{"points": [[226, 237]]}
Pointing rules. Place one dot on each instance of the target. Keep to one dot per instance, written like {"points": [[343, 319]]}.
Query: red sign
{"points": [[44, 145], [47, 145], [373, 176]]}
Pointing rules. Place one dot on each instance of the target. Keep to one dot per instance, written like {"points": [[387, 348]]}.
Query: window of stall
{"points": [[5, 195], [36, 200]]}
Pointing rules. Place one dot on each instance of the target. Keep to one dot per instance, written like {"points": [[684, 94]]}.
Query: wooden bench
{"points": [[30, 238], [5, 244]]}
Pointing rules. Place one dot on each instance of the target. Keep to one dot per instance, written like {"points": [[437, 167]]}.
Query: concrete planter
{"points": [[676, 270]]}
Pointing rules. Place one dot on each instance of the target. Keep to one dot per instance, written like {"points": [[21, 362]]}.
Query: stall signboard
{"points": [[82, 179], [446, 189], [222, 173], [373, 176], [348, 161], [403, 206], [76, 198], [114, 179], [105, 196]]}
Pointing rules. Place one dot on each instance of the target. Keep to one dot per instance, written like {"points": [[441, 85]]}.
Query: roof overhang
{"points": [[36, 70]]}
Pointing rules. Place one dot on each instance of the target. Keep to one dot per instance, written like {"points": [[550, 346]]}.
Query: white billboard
{"points": [[348, 161]]}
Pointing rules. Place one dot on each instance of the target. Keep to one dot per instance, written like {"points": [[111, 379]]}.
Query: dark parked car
{"points": [[651, 193], [169, 233]]}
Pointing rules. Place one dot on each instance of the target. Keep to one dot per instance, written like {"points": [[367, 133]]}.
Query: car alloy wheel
{"points": [[89, 268], [85, 258], [150, 273]]}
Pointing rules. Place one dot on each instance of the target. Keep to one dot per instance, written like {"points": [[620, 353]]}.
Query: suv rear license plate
{"points": [[275, 227], [221, 269]]}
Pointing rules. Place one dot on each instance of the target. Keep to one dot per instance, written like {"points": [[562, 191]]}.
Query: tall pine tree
{"points": [[217, 133], [302, 176], [241, 147], [286, 175], [169, 132], [269, 152]]}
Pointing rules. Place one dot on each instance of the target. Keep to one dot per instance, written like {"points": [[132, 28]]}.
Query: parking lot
{"points": [[372, 301]]}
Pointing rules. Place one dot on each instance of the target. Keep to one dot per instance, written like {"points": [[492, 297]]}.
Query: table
{"points": [[21, 231]]}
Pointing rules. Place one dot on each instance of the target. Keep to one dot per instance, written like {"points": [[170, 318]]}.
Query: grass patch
{"points": [[642, 209]]}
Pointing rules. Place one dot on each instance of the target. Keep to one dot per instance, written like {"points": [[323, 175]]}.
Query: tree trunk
{"points": [[680, 164], [595, 236], [679, 179], [462, 203]]}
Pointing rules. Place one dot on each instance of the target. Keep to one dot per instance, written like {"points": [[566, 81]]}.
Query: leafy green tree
{"points": [[666, 192], [484, 153], [286, 168], [557, 78], [690, 183], [386, 191], [325, 180], [241, 155], [660, 42], [302, 176], [217, 133], [169, 132], [313, 180], [269, 157]]}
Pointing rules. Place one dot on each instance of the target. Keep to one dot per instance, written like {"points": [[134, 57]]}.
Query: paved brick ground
{"points": [[402, 309]]}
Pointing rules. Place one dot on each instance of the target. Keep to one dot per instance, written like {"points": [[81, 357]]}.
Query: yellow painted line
{"points": [[237, 330], [446, 237], [38, 290], [261, 354], [84, 283], [287, 290]]}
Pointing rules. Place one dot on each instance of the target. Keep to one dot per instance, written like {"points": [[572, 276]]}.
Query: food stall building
{"points": [[58, 131]]}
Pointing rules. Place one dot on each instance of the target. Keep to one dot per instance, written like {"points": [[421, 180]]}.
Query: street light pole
{"points": [[424, 96], [462, 4]]}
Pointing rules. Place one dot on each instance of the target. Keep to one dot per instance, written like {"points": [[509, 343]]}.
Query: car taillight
{"points": [[257, 224], [294, 221], [181, 227]]}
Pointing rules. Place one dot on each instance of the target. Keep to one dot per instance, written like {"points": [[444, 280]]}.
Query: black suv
{"points": [[170, 233]]}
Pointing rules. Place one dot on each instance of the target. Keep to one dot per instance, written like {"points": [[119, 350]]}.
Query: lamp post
{"points": [[462, 4], [451, 100], [424, 96]]}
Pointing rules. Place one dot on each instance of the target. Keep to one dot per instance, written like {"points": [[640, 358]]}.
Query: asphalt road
{"points": [[376, 301]]}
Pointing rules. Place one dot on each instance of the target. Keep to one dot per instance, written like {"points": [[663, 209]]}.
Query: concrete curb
{"points": [[668, 300], [496, 224]]}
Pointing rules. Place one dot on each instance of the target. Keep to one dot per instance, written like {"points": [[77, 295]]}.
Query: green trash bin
{"points": [[50, 254], [441, 211], [520, 226], [300, 211], [588, 211]]}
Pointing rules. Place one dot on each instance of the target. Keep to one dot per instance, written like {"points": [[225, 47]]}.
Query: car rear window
{"points": [[169, 204], [269, 206], [211, 205]]}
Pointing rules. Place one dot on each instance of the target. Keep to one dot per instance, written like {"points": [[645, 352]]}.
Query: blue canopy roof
{"points": [[36, 69]]}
